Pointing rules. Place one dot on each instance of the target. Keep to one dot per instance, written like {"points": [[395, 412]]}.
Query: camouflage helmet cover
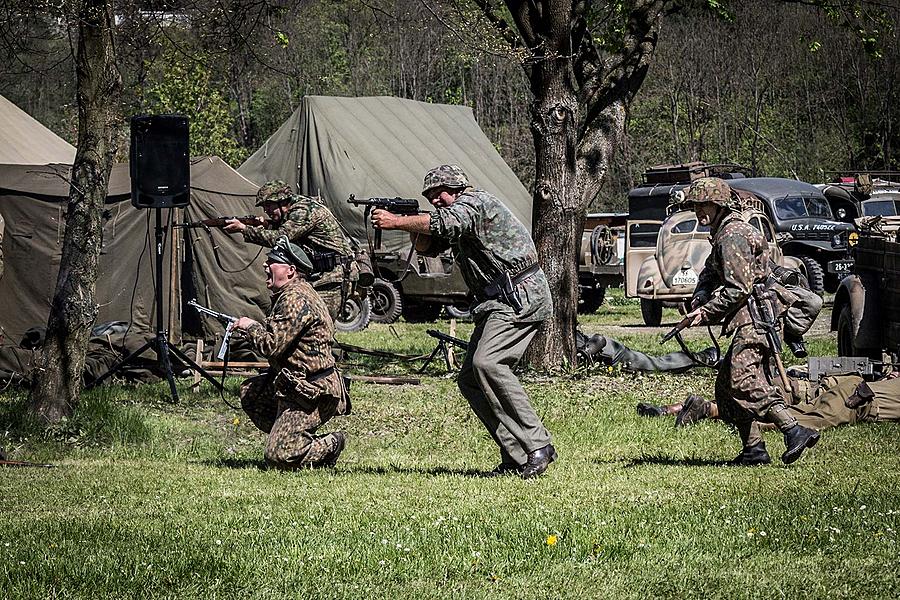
{"points": [[709, 189], [450, 176], [274, 191], [287, 253]]}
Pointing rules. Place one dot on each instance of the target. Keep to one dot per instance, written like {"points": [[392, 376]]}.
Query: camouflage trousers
{"points": [[291, 423], [494, 392], [745, 390]]}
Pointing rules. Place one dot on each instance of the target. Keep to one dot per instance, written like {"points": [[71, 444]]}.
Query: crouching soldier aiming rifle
{"points": [[308, 223], [735, 289], [302, 389]]}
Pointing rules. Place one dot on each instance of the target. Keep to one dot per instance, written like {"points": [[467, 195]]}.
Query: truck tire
{"points": [[421, 312], [845, 345], [651, 311], [814, 274], [355, 316], [458, 312], [386, 303], [591, 299]]}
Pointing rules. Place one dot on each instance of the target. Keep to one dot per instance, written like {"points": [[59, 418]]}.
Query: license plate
{"points": [[840, 266], [685, 278]]}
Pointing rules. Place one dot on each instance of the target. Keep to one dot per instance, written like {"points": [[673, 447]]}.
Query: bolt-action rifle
{"points": [[227, 320], [764, 319], [398, 206], [221, 222]]}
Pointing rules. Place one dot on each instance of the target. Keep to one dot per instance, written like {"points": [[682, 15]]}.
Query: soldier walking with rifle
{"points": [[498, 261], [735, 289], [307, 222]]}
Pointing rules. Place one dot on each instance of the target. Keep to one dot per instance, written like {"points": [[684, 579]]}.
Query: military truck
{"points": [[864, 194], [805, 226], [601, 259], [866, 311]]}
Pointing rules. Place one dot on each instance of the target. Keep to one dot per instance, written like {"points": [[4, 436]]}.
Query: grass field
{"points": [[153, 500]]}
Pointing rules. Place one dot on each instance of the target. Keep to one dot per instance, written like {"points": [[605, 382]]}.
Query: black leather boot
{"points": [[797, 439], [796, 345], [538, 461], [752, 456]]}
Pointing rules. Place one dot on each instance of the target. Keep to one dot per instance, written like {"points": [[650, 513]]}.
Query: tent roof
{"points": [[209, 174], [381, 147], [24, 141]]}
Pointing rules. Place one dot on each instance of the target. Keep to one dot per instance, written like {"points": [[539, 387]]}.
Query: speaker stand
{"points": [[160, 343]]}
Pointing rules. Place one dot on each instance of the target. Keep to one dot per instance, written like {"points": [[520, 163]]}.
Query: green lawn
{"points": [[150, 499]]}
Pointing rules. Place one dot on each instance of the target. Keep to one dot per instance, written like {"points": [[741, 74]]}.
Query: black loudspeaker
{"points": [[160, 161]]}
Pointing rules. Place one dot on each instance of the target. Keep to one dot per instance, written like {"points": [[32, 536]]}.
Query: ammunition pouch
{"points": [[324, 262], [505, 287]]}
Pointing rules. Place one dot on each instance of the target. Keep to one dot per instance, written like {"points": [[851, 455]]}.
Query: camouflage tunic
{"points": [[745, 391], [296, 338], [313, 227], [487, 238]]}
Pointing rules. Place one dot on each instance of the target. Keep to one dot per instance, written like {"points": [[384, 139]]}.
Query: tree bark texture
{"points": [[73, 308]]}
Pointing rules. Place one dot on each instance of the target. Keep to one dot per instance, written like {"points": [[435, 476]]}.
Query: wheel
{"points": [[458, 312], [355, 316], [591, 299], [814, 274], [845, 337], [421, 312], [651, 311], [387, 306]]}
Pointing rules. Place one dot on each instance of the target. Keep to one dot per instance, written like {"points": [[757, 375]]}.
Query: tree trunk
{"points": [[558, 217], [73, 309]]}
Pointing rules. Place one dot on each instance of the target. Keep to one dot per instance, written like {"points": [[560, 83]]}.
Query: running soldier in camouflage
{"points": [[498, 260], [745, 392], [307, 222], [302, 389]]}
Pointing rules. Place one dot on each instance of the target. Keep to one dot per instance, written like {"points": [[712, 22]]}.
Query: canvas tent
{"points": [[33, 204], [380, 147], [24, 141]]}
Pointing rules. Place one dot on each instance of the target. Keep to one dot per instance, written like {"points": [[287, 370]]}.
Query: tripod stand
{"points": [[160, 343]]}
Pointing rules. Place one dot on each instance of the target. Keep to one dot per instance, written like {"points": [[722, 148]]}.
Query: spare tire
{"points": [[385, 300], [355, 316], [814, 274]]}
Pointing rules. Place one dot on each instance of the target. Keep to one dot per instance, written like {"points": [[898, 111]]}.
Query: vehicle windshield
{"points": [[886, 206], [797, 207]]}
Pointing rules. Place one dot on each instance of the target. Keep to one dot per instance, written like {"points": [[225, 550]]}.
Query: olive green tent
{"points": [[380, 147], [24, 141], [33, 204]]}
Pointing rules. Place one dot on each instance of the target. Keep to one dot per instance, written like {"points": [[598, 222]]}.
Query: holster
{"points": [[505, 287]]}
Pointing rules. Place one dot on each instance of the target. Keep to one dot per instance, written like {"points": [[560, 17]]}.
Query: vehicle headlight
{"points": [[839, 240]]}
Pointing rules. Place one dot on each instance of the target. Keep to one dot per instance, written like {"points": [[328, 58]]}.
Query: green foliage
{"points": [[188, 88]]}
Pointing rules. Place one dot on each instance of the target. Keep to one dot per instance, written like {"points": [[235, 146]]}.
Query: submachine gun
{"points": [[398, 206], [227, 320]]}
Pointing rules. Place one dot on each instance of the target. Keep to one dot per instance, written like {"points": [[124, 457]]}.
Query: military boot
{"points": [[694, 409], [797, 439], [538, 461], [340, 440], [796, 345], [752, 456], [645, 409]]}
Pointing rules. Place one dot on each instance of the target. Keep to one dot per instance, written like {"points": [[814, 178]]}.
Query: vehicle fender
{"points": [[649, 279], [791, 262], [860, 292]]}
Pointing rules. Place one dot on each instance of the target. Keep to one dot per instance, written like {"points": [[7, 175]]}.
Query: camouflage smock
{"points": [[296, 338], [739, 259], [485, 236], [309, 224]]}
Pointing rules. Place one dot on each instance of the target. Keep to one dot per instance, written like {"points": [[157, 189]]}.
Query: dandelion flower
{"points": [[551, 540]]}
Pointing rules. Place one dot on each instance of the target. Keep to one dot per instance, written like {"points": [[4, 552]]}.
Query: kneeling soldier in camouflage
{"points": [[302, 389]]}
